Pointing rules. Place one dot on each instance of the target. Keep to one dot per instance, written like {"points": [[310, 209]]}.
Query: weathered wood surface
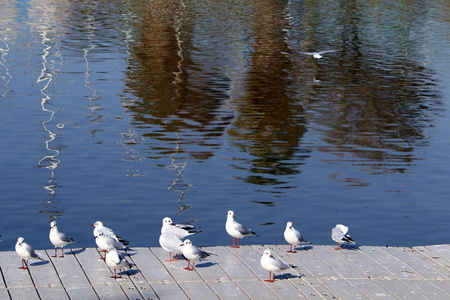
{"points": [[322, 273]]}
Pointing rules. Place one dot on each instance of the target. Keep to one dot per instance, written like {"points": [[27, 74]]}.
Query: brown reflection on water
{"points": [[269, 123]]}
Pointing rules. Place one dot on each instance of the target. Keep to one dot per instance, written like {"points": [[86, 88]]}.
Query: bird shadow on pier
{"points": [[205, 264]]}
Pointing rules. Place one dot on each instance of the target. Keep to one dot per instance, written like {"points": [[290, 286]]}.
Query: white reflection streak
{"points": [[48, 77], [90, 34], [177, 184], [7, 77]]}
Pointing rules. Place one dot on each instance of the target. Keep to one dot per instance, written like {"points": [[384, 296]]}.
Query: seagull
{"points": [[26, 252], [180, 230], [59, 239], [107, 243], [172, 244], [293, 237], [236, 230], [116, 260], [273, 265], [192, 253], [106, 231], [340, 236], [319, 54]]}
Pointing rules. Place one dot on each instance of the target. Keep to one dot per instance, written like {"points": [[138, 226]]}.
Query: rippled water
{"points": [[130, 111]]}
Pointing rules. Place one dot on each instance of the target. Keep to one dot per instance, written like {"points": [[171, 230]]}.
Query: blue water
{"points": [[130, 111]]}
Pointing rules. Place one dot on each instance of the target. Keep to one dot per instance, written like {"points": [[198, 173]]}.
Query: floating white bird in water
{"points": [[273, 265], [293, 237], [25, 252], [340, 235], [192, 253], [236, 230], [180, 230], [59, 239], [117, 261], [172, 244], [107, 243], [319, 54], [101, 229]]}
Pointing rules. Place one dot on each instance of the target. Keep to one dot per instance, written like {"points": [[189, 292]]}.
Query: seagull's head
{"points": [[230, 214], [97, 224], [289, 224], [52, 224], [20, 240], [168, 221], [187, 243], [267, 253]]}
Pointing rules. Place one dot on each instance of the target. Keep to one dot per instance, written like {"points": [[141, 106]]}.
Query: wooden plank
{"points": [[426, 288], [81, 292], [400, 289], [176, 268], [99, 274], [23, 293], [139, 281], [169, 290], [395, 266], [256, 289], [317, 268], [444, 285], [14, 277], [211, 270], [343, 289], [372, 289], [4, 293], [364, 261], [52, 292], [305, 288], [321, 289], [337, 260], [440, 263], [227, 290], [420, 266], [232, 265], [198, 290], [73, 277], [442, 250], [150, 266], [46, 274]]}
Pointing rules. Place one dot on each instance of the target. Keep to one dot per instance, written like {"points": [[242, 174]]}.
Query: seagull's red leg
{"points": [[62, 252], [55, 253], [170, 256], [24, 267], [337, 246], [239, 243], [234, 246], [176, 256]]}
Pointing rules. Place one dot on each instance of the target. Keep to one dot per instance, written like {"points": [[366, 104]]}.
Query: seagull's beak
{"points": [[173, 224], [92, 225], [182, 245], [271, 255]]}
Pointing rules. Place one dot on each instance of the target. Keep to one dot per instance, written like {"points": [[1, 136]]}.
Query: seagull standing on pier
{"points": [[273, 265], [100, 229], [340, 235], [192, 253], [26, 252], [236, 230], [293, 237], [172, 244], [59, 239], [180, 230], [117, 261], [107, 243]]}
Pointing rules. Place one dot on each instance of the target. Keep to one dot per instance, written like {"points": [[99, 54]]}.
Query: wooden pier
{"points": [[322, 273]]}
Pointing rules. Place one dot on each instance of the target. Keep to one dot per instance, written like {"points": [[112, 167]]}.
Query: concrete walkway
{"points": [[322, 273]]}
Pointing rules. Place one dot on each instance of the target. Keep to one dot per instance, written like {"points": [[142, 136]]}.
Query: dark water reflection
{"points": [[142, 109]]}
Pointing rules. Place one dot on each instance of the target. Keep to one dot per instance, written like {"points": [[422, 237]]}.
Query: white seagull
{"points": [[107, 243], [117, 261], [101, 229], [319, 54], [180, 230], [293, 237], [273, 265], [192, 253], [236, 230], [25, 252], [172, 244], [340, 235], [59, 239]]}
